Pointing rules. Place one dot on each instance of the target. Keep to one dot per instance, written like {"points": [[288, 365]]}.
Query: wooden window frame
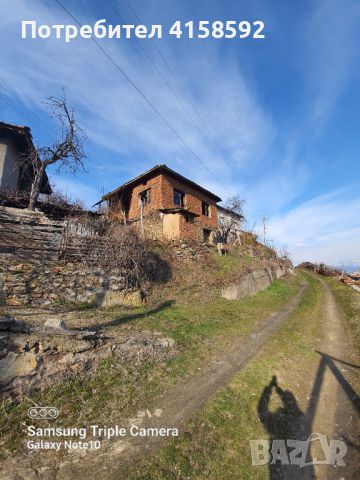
{"points": [[145, 195], [182, 197], [205, 209]]}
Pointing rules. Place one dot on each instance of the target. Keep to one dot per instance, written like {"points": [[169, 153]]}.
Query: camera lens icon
{"points": [[53, 412], [32, 413], [43, 413]]}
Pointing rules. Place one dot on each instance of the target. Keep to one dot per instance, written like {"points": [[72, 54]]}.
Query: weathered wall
{"points": [[40, 265], [155, 184], [153, 225], [162, 197], [9, 166], [253, 282], [189, 250], [3, 149], [31, 273], [35, 284], [29, 235], [156, 197], [193, 202]]}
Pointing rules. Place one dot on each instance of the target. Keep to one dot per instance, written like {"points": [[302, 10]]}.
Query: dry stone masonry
{"points": [[253, 282], [36, 284]]}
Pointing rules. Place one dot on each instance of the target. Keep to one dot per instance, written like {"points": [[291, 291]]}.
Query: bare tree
{"points": [[66, 152], [229, 220], [284, 253]]}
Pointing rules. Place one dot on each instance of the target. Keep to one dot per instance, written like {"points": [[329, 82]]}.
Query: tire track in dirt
{"points": [[333, 412], [185, 399]]}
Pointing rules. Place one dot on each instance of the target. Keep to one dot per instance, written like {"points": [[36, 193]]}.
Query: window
{"points": [[205, 209], [178, 198], [145, 196]]}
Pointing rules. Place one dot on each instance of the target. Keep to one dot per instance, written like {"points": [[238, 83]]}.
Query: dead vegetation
{"points": [[66, 152], [57, 206], [202, 280], [229, 225], [117, 247]]}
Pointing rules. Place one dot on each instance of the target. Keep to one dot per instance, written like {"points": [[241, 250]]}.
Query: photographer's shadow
{"points": [[286, 422]]}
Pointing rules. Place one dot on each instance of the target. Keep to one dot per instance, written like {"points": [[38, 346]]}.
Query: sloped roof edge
{"points": [[162, 168]]}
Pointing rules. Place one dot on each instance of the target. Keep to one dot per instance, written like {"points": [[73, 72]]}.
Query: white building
{"points": [[229, 225]]}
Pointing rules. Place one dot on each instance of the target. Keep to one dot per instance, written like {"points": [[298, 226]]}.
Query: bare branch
{"points": [[113, 247], [66, 152], [229, 219]]}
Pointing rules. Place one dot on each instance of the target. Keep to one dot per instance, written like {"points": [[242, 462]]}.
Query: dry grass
{"points": [[215, 444], [201, 329]]}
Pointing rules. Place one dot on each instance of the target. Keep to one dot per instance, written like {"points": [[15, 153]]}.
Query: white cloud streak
{"points": [[116, 117], [326, 228], [120, 123], [330, 54]]}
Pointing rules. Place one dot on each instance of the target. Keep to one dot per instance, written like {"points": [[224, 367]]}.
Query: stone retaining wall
{"points": [[189, 250], [36, 284], [253, 282]]}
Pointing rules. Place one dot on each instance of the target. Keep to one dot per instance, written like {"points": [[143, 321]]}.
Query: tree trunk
{"points": [[35, 187]]}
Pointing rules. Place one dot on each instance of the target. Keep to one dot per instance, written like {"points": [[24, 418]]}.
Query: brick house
{"points": [[165, 205]]}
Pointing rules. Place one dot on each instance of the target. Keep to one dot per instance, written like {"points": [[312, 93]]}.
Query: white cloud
{"points": [[277, 188], [114, 114], [330, 53], [76, 190], [120, 123], [325, 228]]}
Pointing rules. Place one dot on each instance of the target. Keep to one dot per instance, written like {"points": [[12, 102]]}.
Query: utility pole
{"points": [[264, 229]]}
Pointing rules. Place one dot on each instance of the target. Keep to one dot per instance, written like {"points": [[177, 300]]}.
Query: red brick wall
{"points": [[193, 202], [162, 196], [156, 197], [155, 184]]}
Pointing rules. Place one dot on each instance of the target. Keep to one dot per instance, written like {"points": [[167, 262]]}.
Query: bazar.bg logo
{"points": [[43, 413], [296, 452]]}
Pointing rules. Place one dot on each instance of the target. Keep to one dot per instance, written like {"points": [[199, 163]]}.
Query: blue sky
{"points": [[281, 114]]}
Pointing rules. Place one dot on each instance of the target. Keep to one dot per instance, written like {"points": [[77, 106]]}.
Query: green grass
{"points": [[215, 443], [117, 390], [232, 263]]}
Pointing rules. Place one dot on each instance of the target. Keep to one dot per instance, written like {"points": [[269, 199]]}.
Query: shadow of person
{"points": [[286, 422], [133, 316]]}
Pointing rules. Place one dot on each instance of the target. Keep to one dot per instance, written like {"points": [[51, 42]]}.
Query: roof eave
{"points": [[163, 168]]}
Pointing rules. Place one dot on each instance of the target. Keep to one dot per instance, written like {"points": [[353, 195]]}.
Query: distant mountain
{"points": [[347, 267]]}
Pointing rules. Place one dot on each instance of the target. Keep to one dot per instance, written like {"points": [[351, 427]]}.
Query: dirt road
{"points": [[332, 407], [173, 409]]}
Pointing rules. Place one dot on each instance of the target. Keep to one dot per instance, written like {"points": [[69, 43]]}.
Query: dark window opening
{"points": [[206, 235], [205, 209], [125, 205], [145, 196], [179, 198]]}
